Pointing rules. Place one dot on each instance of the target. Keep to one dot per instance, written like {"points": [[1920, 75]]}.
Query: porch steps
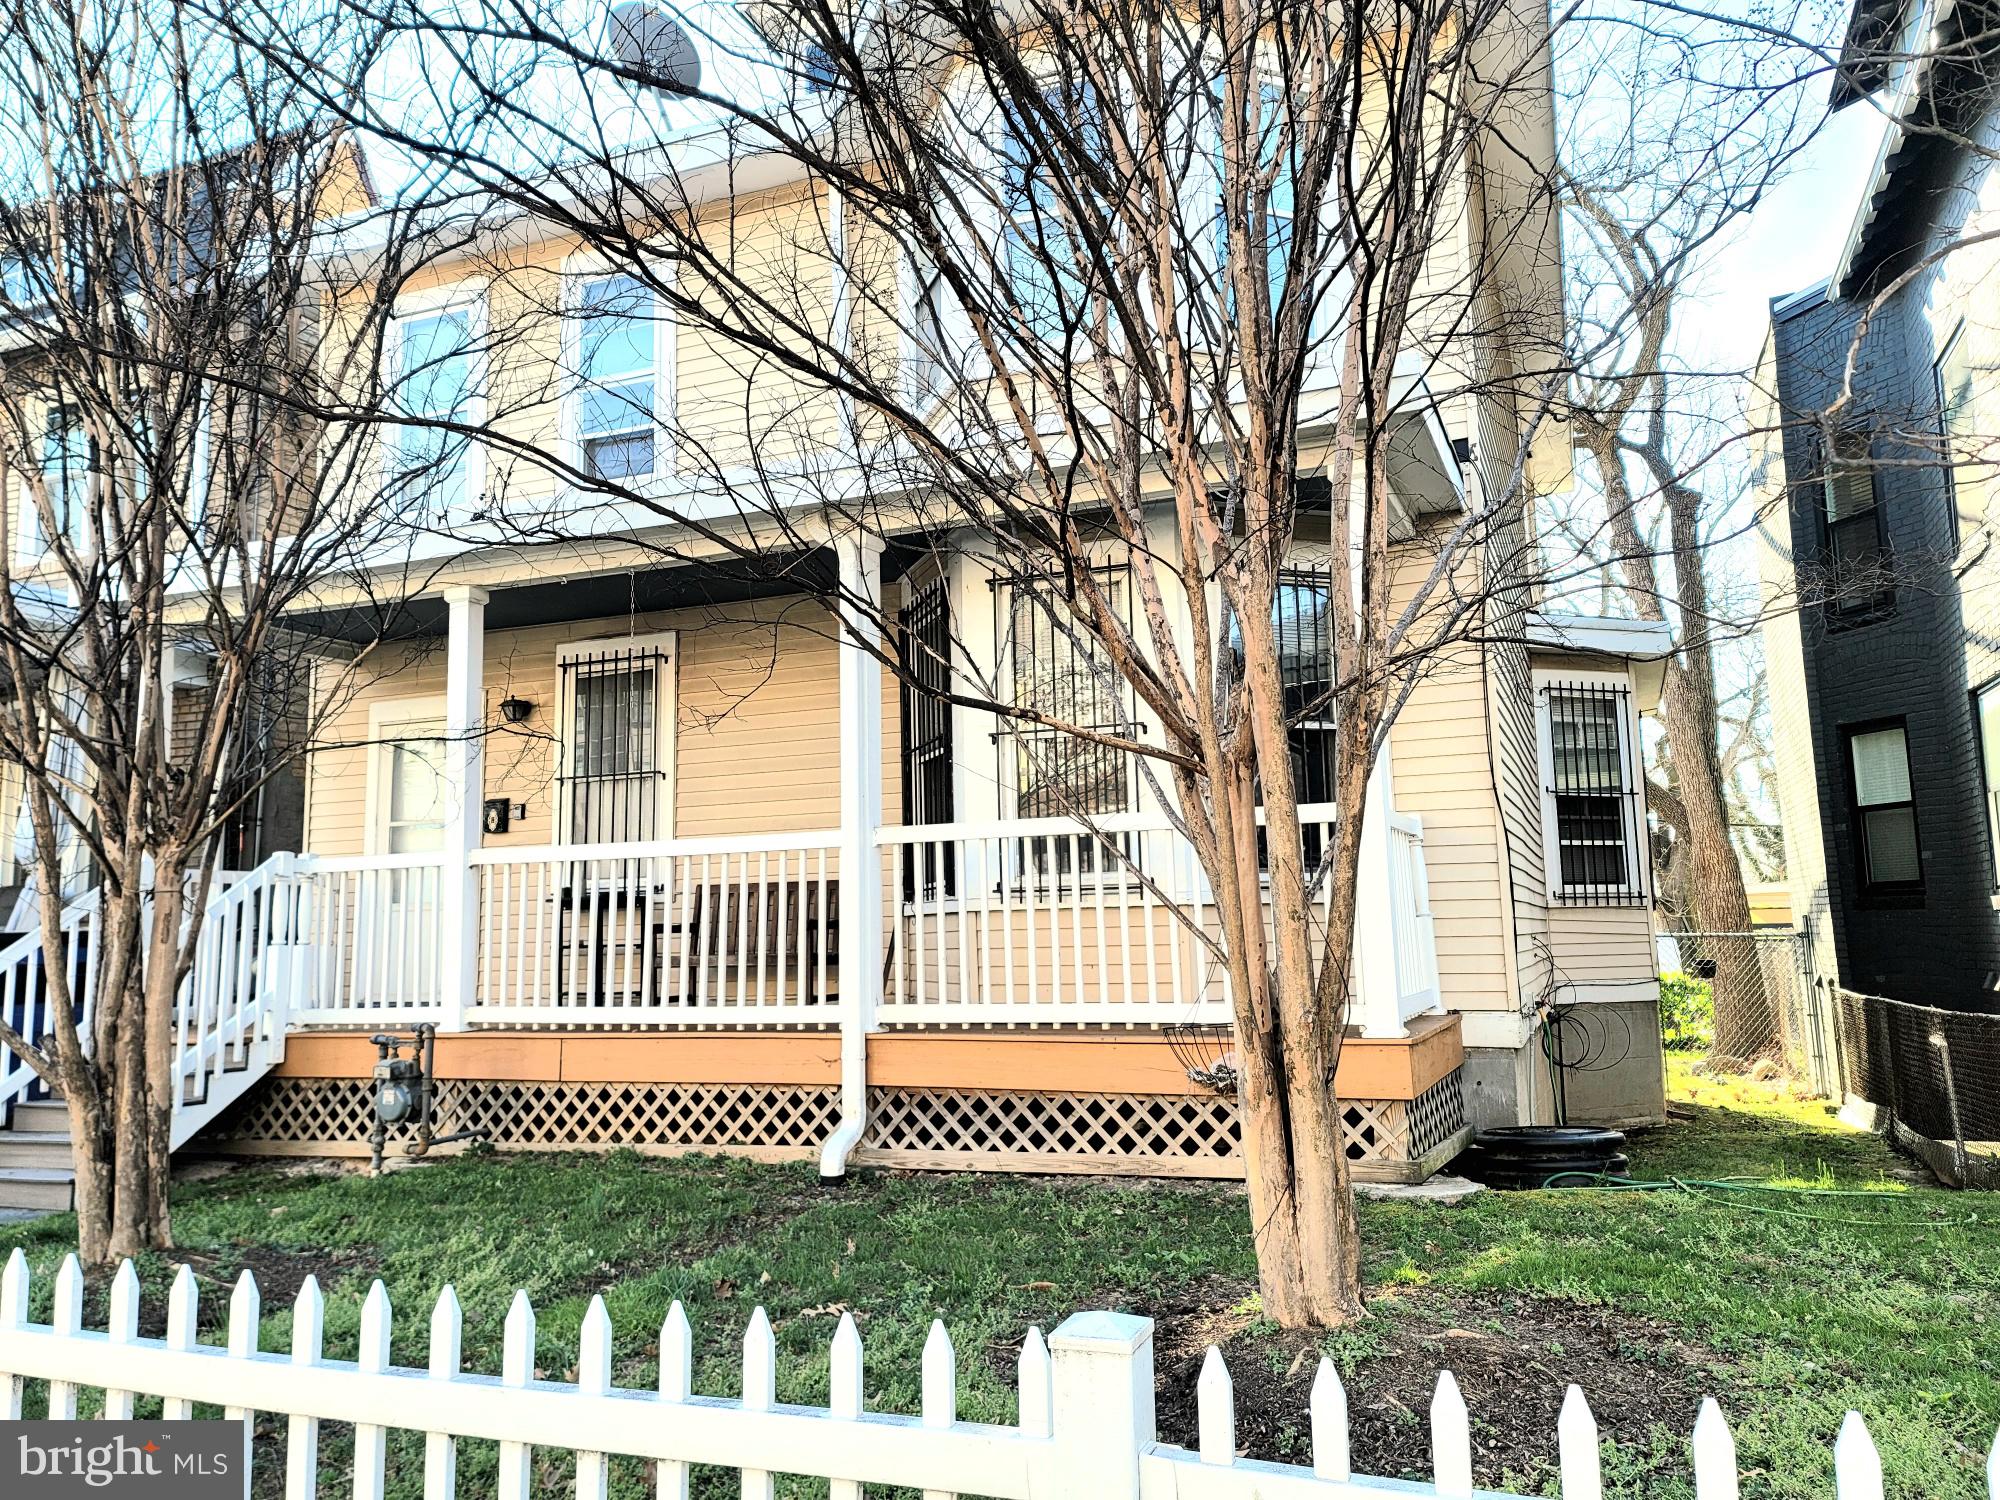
{"points": [[35, 1171]]}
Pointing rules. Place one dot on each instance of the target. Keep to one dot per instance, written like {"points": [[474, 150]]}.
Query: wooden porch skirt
{"points": [[987, 1101]]}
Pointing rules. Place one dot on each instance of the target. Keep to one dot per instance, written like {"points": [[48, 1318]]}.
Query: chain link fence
{"points": [[1745, 1002], [1936, 1073]]}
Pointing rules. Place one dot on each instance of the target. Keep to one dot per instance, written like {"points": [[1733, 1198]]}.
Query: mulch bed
{"points": [[1513, 1355]]}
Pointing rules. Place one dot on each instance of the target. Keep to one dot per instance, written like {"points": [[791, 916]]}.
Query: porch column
{"points": [[860, 816], [465, 789], [1375, 925]]}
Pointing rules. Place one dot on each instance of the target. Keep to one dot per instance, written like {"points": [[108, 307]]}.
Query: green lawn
{"points": [[1790, 1308]]}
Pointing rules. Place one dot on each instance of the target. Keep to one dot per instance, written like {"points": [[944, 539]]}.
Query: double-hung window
{"points": [[435, 386], [1265, 185], [68, 458], [1958, 438], [1986, 715], [1592, 812], [1303, 624], [1885, 811], [1857, 561], [1046, 260], [616, 342]]}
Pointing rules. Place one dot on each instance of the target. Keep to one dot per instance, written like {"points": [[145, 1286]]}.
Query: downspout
{"points": [[861, 946], [860, 559]]}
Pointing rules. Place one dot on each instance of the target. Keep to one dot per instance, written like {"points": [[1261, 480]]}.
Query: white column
{"points": [[465, 789], [860, 817], [1380, 1009]]}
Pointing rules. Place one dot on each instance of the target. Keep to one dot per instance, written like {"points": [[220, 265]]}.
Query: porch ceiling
{"points": [[591, 596]]}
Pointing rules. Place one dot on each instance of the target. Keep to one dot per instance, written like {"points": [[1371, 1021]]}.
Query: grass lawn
{"points": [[1790, 1308]]}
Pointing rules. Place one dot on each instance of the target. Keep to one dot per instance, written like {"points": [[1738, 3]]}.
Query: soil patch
{"points": [[279, 1274], [1513, 1355]]}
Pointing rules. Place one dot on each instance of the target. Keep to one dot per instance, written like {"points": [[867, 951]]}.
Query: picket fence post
{"points": [[1103, 1387]]}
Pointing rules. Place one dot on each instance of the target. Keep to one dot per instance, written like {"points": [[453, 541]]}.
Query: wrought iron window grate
{"points": [[1594, 788]]}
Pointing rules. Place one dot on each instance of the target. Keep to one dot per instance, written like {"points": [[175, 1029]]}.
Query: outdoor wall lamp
{"points": [[515, 710]]}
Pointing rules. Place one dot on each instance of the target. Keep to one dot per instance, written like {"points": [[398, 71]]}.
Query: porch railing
{"points": [[373, 924], [1050, 922], [705, 932]]}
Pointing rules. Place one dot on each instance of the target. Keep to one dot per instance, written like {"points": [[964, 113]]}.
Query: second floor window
{"points": [[68, 458], [435, 382], [1045, 257], [1267, 185], [618, 369], [1958, 438], [1857, 560]]}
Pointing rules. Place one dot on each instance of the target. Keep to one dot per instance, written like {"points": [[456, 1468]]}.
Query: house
{"points": [[671, 862], [1879, 560]]}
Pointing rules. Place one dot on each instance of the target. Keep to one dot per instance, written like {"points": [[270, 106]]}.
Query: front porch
{"points": [[998, 990]]}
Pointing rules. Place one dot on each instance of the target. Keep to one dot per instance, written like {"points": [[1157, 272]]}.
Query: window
{"points": [[928, 796], [1046, 266], [1269, 130], [1858, 579], [68, 460], [414, 818], [1986, 714], [436, 380], [1591, 814], [1885, 814], [617, 363], [1958, 438], [1304, 626], [614, 712], [1059, 671]]}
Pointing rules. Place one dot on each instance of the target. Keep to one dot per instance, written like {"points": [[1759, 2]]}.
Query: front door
{"points": [[396, 961]]}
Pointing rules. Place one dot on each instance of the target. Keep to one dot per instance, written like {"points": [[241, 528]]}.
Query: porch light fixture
{"points": [[515, 710]]}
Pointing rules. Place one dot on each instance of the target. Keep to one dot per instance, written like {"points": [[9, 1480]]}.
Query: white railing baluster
{"points": [[1036, 1387], [593, 1378], [371, 1443], [517, 1368], [68, 1320], [13, 1315], [1857, 1467], [940, 1389], [1714, 1454], [844, 1389], [676, 1385], [1331, 1449], [1451, 1441], [1215, 1410], [301, 1430], [1576, 1448], [122, 1328], [760, 1392], [446, 1353], [183, 1303]]}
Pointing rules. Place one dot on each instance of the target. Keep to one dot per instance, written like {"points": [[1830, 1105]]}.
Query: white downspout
{"points": [[860, 817]]}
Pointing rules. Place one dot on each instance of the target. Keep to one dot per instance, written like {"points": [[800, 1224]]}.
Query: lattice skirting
{"points": [[332, 1116], [975, 1129]]}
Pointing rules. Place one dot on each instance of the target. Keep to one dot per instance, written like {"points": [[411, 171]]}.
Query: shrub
{"points": [[1687, 1012]]}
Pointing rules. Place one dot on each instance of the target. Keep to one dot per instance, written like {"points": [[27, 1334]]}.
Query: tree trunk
{"points": [[1301, 1203]]}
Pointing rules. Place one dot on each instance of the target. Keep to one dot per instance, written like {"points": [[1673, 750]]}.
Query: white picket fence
{"points": [[1085, 1430]]}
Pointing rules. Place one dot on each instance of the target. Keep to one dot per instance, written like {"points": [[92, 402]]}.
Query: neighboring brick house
{"points": [[1881, 568]]}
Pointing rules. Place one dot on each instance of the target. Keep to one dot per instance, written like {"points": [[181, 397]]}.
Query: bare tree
{"points": [[169, 287], [1131, 302]]}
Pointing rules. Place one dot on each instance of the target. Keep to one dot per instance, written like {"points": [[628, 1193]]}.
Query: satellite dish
{"points": [[645, 39]]}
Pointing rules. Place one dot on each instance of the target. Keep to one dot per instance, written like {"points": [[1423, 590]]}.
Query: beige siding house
{"points": [[669, 865]]}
